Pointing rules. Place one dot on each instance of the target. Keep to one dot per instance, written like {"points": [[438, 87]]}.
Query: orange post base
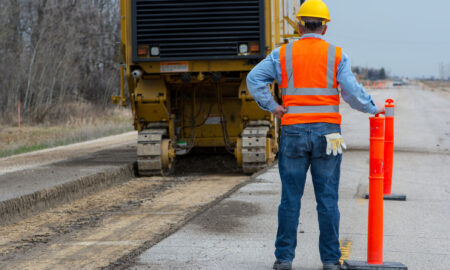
{"points": [[375, 230]]}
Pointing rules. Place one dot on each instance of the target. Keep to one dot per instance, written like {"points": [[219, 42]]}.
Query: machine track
{"points": [[257, 150], [155, 154]]}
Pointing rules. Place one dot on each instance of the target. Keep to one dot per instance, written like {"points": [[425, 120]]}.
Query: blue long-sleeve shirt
{"points": [[269, 70]]}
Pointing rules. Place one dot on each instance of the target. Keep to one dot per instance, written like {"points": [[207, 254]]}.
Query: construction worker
{"points": [[309, 71]]}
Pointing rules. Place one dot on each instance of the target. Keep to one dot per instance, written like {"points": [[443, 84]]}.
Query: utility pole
{"points": [[447, 75], [441, 71]]}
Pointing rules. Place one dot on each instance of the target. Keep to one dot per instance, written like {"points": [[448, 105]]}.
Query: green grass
{"points": [[23, 149]]}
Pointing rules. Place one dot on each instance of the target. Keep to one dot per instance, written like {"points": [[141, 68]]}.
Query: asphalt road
{"points": [[239, 232]]}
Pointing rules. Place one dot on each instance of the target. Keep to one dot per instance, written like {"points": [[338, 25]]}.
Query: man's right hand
{"points": [[279, 111]]}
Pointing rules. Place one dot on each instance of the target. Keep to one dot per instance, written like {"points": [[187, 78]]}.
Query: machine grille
{"points": [[197, 29]]}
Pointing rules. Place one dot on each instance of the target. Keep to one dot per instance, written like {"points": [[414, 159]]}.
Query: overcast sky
{"points": [[407, 37]]}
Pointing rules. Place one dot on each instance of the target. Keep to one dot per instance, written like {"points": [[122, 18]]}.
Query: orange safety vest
{"points": [[308, 84]]}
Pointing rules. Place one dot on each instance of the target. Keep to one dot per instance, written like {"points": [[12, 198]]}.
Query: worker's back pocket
{"points": [[320, 148], [294, 144]]}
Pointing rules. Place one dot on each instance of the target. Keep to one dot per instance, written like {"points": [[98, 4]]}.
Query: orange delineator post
{"points": [[389, 153], [376, 177], [388, 146], [375, 230]]}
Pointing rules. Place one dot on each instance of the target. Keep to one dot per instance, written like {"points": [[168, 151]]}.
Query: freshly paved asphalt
{"points": [[239, 232]]}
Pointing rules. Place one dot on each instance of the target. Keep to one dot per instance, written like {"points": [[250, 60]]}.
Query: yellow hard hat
{"points": [[314, 8]]}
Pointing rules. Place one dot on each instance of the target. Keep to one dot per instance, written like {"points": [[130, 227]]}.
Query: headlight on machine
{"points": [[154, 51], [243, 48]]}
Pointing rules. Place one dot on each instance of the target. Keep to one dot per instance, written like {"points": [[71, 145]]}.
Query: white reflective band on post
{"points": [[312, 109], [310, 91], [331, 60], [389, 111]]}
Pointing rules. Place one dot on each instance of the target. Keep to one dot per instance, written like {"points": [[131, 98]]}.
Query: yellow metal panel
{"points": [[212, 142], [203, 66], [123, 29], [212, 129], [151, 96], [277, 22], [121, 99], [268, 23], [152, 90], [128, 34], [250, 109], [151, 112]]}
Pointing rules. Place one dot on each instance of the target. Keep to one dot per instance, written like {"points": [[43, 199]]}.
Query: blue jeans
{"points": [[302, 146]]}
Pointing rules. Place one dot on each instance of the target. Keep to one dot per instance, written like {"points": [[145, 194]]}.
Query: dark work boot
{"points": [[332, 266], [282, 265]]}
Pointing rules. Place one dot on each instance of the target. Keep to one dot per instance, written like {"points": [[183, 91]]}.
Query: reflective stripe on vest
{"points": [[310, 104], [313, 109]]}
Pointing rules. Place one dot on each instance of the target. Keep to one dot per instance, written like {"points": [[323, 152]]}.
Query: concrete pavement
{"points": [[422, 120], [239, 232]]}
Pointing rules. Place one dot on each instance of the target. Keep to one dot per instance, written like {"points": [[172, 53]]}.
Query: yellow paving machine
{"points": [[185, 64]]}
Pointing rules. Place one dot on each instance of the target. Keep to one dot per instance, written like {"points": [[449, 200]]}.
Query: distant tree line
{"points": [[53, 52], [370, 73]]}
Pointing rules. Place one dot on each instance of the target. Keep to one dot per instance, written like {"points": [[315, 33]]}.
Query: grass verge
{"points": [[29, 138]]}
